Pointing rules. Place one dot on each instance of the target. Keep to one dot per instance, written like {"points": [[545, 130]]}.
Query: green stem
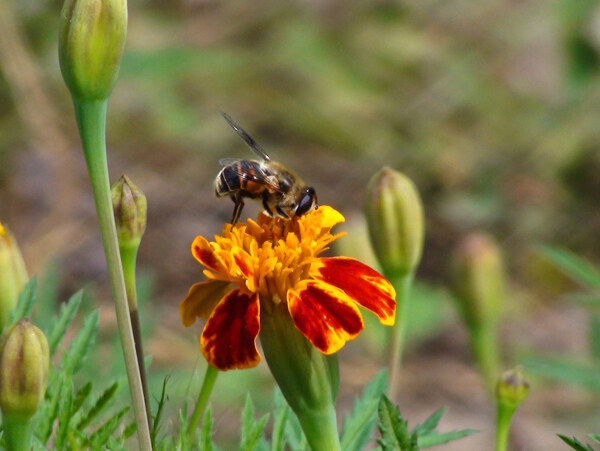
{"points": [[403, 286], [91, 119], [210, 377], [505, 414], [17, 432], [485, 349], [128, 260]]}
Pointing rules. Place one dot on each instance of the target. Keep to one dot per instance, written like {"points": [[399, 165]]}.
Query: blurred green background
{"points": [[492, 108]]}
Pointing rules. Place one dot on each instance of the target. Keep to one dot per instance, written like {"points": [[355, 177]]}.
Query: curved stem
{"points": [[505, 414], [128, 260], [91, 119], [210, 377], [403, 286]]}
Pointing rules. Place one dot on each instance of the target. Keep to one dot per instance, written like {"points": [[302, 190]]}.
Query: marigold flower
{"points": [[255, 266]]}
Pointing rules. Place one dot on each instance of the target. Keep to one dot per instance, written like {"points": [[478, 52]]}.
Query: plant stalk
{"points": [[210, 377], [91, 119], [485, 349], [503, 419], [403, 286], [17, 433]]}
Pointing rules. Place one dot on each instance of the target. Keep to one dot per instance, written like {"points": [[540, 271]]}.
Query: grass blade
{"points": [[576, 267], [434, 439]]}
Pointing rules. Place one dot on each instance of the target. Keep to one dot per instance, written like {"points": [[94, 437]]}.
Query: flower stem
{"points": [[91, 119], [403, 285], [504, 417], [210, 377], [17, 432], [128, 260], [485, 349]]}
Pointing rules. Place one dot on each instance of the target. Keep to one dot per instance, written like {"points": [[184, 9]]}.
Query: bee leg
{"points": [[282, 213], [266, 206], [237, 210]]}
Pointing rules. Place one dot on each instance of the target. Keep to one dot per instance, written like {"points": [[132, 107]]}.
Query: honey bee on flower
{"points": [[251, 275]]}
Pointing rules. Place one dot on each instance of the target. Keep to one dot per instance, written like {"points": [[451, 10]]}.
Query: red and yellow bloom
{"points": [[256, 265]]}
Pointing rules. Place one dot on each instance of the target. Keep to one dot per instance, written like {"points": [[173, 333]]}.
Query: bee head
{"points": [[308, 201]]}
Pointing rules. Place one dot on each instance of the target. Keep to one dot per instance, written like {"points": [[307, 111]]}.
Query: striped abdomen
{"points": [[243, 176]]}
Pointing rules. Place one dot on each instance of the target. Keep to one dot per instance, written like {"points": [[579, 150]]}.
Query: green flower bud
{"points": [[478, 279], [13, 275], [129, 204], [24, 364], [308, 379], [396, 222], [512, 388], [91, 42]]}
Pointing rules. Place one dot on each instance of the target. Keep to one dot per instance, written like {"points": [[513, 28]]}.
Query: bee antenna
{"points": [[256, 148]]}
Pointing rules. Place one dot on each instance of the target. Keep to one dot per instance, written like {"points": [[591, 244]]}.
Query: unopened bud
{"points": [[129, 204], [91, 42], [24, 363], [396, 222], [13, 275], [478, 278], [512, 388]]}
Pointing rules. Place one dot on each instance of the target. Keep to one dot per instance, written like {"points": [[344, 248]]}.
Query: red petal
{"points": [[324, 314], [228, 338], [363, 284], [204, 253], [201, 300]]}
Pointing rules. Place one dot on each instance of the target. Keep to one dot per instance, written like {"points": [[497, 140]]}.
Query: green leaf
{"points": [[435, 438], [101, 435], [100, 404], [575, 444], [394, 429], [64, 413], [595, 437], [50, 408], [430, 423], [81, 345], [358, 426], [583, 374], [159, 409], [280, 418], [206, 431], [26, 301], [576, 267], [294, 434], [594, 335], [252, 430], [80, 397], [66, 315]]}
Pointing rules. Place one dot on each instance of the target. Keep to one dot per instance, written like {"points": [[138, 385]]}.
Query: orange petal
{"points": [[363, 284], [228, 340], [205, 254], [324, 314], [201, 300]]}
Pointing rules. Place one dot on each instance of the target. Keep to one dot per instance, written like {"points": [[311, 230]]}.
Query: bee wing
{"points": [[256, 148], [263, 177]]}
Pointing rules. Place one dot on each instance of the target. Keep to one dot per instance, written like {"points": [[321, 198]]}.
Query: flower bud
{"points": [[129, 204], [91, 42], [24, 363], [396, 223], [478, 279], [13, 275], [512, 388]]}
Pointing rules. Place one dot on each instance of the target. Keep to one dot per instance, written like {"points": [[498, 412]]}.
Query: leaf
{"points": [[583, 374], [206, 431], [100, 404], [575, 444], [294, 434], [594, 335], [280, 418], [66, 315], [358, 426], [595, 437], [81, 345], [159, 409], [26, 301], [430, 423], [64, 413], [80, 397], [50, 410], [101, 435], [576, 267], [394, 429], [252, 430], [435, 438]]}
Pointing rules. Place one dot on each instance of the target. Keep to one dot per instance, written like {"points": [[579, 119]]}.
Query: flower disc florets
{"points": [[260, 264]]}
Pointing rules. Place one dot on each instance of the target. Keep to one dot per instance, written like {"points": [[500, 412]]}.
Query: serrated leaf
{"points": [[279, 421], [81, 344], [430, 423], [206, 431], [66, 315], [98, 406], [252, 430], [50, 411], [159, 409], [576, 267], [81, 396], [575, 444], [294, 434], [393, 428], [64, 413], [359, 425], [101, 435], [435, 438], [25, 302]]}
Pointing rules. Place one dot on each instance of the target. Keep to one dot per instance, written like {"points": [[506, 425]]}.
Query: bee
{"points": [[283, 193]]}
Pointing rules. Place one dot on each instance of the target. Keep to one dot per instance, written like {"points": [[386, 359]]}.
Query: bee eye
{"points": [[307, 201]]}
